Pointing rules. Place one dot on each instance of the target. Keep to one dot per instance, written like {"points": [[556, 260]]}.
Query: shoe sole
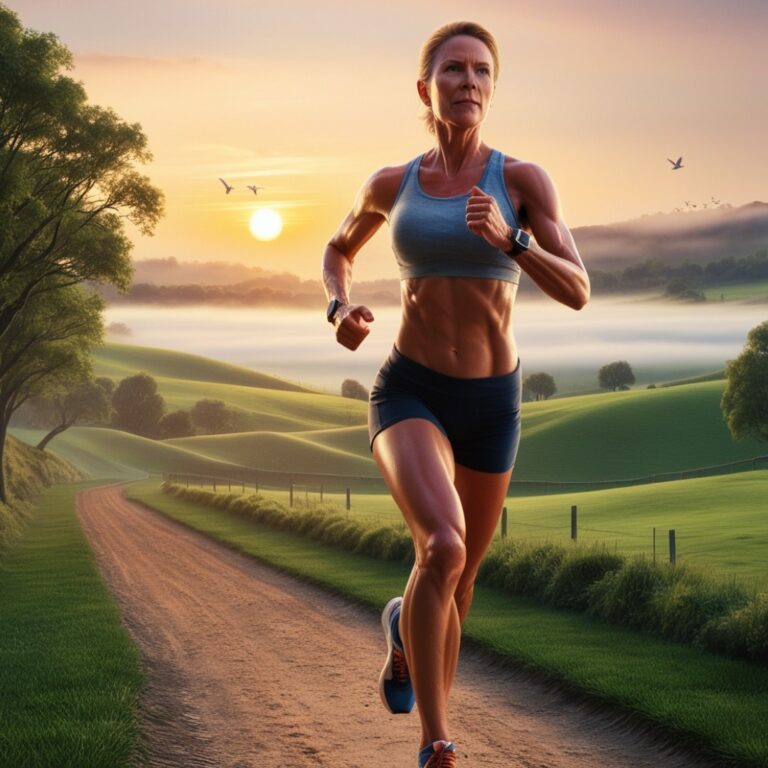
{"points": [[387, 670]]}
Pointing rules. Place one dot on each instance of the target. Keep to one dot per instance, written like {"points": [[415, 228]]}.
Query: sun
{"points": [[266, 224]]}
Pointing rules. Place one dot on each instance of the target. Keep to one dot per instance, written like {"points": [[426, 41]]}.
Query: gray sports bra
{"points": [[430, 235]]}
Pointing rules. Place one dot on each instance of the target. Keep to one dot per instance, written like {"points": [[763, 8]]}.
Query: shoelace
{"points": [[442, 759], [399, 666]]}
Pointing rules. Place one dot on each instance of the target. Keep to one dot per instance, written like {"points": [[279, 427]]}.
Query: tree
{"points": [[138, 405], [176, 424], [353, 389], [616, 375], [67, 180], [211, 416], [745, 399], [539, 385], [84, 402], [48, 352]]}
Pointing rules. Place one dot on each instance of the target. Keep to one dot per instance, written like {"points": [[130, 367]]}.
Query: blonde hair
{"points": [[437, 38]]}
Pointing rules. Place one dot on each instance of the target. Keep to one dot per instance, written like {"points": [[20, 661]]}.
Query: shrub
{"points": [[577, 572], [742, 633], [691, 600], [530, 573], [626, 596]]}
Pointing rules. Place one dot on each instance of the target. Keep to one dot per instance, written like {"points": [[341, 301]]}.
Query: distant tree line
{"points": [[682, 280], [133, 405]]}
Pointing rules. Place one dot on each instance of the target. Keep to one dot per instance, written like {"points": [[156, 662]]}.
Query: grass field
{"points": [[704, 700], [719, 521], [752, 291], [69, 675], [604, 437]]}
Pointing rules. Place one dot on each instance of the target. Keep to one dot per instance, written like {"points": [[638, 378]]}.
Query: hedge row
{"points": [[683, 603], [321, 522]]}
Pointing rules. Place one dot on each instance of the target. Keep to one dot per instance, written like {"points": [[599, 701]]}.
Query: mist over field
{"points": [[661, 340]]}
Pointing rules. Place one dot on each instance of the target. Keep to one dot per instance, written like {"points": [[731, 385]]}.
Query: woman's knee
{"points": [[446, 553]]}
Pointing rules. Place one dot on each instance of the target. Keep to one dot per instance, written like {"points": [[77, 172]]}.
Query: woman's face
{"points": [[462, 82]]}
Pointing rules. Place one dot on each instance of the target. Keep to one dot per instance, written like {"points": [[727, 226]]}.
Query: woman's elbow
{"points": [[580, 297]]}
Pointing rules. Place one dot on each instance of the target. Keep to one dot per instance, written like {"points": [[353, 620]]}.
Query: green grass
{"points": [[120, 360], [69, 675], [719, 521], [703, 699], [751, 291]]}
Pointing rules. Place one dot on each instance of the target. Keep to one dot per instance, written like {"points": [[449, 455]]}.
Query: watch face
{"points": [[332, 307]]}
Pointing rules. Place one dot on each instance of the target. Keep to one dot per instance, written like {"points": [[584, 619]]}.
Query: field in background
{"points": [[589, 438]]}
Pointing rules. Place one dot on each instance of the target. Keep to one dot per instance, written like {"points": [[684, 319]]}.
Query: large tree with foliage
{"points": [[616, 375], [212, 416], [50, 349], [138, 406], [745, 399], [539, 386], [84, 402], [67, 179]]}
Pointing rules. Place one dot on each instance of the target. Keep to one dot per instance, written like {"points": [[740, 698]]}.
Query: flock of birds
{"points": [[252, 187], [676, 166]]}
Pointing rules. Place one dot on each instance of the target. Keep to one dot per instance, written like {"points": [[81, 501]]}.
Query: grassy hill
{"points": [[120, 360]]}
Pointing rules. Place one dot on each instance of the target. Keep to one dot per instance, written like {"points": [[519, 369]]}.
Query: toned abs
{"points": [[459, 326]]}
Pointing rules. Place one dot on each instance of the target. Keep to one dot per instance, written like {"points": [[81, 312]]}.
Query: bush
{"points": [[742, 633], [692, 600], [530, 573], [577, 572], [626, 596]]}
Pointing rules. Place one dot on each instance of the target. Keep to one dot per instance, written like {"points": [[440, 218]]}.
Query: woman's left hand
{"points": [[484, 219]]}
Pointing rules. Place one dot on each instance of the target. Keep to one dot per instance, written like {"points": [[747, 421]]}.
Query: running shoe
{"points": [[438, 754], [394, 681]]}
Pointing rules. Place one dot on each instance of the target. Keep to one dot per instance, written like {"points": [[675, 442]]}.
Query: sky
{"points": [[308, 99]]}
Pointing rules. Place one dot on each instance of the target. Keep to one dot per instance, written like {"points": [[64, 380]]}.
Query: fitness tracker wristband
{"points": [[520, 241], [333, 308]]}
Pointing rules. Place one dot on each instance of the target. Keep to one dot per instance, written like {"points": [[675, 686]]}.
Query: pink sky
{"points": [[308, 99]]}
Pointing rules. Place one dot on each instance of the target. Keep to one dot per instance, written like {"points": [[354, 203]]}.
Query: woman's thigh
{"points": [[482, 496], [416, 460]]}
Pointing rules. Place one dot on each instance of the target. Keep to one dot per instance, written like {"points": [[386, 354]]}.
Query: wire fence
{"points": [[322, 484]]}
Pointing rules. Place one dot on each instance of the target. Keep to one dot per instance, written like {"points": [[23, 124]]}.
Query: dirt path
{"points": [[248, 668]]}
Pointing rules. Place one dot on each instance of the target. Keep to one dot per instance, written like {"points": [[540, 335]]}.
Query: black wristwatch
{"points": [[333, 308], [520, 241]]}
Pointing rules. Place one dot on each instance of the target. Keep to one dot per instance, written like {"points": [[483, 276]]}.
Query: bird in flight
{"points": [[688, 203], [226, 186], [677, 164], [254, 188], [716, 202]]}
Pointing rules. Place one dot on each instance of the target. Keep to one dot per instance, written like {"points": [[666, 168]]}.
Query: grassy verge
{"points": [[700, 699], [69, 675]]}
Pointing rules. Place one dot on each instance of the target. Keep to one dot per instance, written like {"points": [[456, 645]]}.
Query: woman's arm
{"points": [[552, 260], [370, 210]]}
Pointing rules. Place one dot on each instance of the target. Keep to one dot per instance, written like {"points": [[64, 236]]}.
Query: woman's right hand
{"points": [[351, 322]]}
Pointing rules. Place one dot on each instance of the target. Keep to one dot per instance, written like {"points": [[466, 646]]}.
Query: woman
{"points": [[444, 412]]}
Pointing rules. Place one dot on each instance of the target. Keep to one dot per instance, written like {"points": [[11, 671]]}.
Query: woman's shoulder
{"points": [[382, 186], [527, 178]]}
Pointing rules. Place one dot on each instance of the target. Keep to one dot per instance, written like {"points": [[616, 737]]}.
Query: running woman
{"points": [[444, 411]]}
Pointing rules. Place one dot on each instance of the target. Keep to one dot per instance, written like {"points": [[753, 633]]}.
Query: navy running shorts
{"points": [[479, 416]]}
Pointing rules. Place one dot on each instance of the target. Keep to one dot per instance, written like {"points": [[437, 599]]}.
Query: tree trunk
{"points": [[55, 431], [3, 431]]}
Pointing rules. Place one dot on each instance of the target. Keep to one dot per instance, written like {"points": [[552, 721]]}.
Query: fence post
{"points": [[214, 485], [672, 547], [291, 496], [503, 522], [321, 493], [574, 523], [243, 486], [349, 501], [654, 545], [229, 485]]}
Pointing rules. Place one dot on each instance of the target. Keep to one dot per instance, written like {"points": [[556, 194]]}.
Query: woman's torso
{"points": [[458, 325]]}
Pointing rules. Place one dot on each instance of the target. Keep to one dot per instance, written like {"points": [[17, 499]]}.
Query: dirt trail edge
{"points": [[249, 668]]}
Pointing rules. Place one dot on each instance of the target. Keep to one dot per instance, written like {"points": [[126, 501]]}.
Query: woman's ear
{"points": [[423, 92]]}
